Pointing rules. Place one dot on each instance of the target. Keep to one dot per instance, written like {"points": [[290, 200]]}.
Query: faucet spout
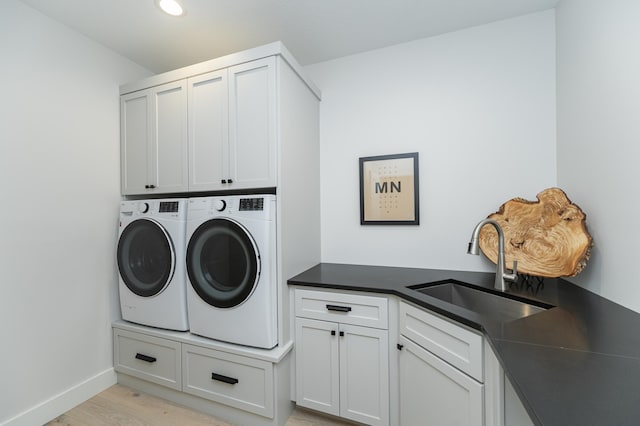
{"points": [[501, 273]]}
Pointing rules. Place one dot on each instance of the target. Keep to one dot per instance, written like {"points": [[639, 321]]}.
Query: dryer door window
{"points": [[146, 258], [223, 263]]}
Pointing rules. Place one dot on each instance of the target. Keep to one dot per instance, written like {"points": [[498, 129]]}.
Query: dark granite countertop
{"points": [[577, 363]]}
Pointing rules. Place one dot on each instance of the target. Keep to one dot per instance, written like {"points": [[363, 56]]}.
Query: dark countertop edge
{"points": [[402, 289], [434, 306], [376, 280]]}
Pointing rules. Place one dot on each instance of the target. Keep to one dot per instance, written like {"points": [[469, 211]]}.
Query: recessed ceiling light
{"points": [[172, 7]]}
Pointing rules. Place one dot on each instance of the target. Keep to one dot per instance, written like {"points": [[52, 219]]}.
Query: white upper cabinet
{"points": [[169, 147], [252, 124], [135, 139], [248, 120], [208, 131], [232, 127], [154, 140]]}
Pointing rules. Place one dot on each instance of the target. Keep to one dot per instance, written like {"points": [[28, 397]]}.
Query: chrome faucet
{"points": [[501, 274]]}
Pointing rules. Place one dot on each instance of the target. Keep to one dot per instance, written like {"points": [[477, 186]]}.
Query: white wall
{"points": [[59, 168], [479, 107], [599, 135]]}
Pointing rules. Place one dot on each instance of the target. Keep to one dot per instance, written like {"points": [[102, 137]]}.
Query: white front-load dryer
{"points": [[150, 257], [231, 269]]}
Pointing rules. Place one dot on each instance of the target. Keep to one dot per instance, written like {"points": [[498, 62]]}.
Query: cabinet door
{"points": [[135, 139], [433, 392], [317, 365], [364, 374], [169, 138], [153, 140], [208, 131], [252, 124]]}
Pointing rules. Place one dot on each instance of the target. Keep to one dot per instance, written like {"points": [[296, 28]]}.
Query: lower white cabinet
{"points": [[233, 380], [147, 357], [342, 369], [437, 372], [441, 371], [317, 366], [432, 392], [244, 385]]}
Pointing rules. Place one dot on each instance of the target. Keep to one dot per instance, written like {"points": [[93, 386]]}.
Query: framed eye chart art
{"points": [[389, 190]]}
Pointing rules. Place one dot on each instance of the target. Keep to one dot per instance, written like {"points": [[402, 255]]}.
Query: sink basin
{"points": [[496, 306]]}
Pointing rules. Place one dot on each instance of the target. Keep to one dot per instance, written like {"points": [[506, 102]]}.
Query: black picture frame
{"points": [[389, 192]]}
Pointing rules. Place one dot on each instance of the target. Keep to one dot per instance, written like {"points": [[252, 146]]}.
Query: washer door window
{"points": [[146, 258], [223, 263]]}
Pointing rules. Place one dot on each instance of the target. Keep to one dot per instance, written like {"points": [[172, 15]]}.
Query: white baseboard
{"points": [[64, 401]]}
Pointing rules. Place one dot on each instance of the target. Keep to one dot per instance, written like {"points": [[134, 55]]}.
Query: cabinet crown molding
{"points": [[272, 49]]}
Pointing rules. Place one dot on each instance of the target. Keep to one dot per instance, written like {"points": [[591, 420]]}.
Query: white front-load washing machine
{"points": [[150, 255], [231, 269]]}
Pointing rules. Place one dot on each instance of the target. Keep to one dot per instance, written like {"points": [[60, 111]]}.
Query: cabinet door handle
{"points": [[342, 334], [399, 346], [147, 358], [338, 308], [146, 187], [333, 332], [225, 379], [152, 186], [230, 180]]}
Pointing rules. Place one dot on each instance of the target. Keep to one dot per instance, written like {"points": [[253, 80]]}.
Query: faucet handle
{"points": [[513, 276]]}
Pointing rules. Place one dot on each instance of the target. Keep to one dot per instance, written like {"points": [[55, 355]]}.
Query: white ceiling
{"points": [[313, 30]]}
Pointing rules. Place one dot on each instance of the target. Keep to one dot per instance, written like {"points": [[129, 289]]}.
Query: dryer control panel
{"points": [[251, 204]]}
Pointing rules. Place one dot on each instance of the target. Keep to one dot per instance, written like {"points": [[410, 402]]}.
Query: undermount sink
{"points": [[496, 306]]}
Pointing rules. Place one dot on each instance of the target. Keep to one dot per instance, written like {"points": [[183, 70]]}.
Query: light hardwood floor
{"points": [[120, 405]]}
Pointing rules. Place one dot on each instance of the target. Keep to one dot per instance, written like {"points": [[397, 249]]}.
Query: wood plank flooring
{"points": [[120, 405]]}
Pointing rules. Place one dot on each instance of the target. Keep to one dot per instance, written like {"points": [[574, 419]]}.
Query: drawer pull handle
{"points": [[146, 358], [338, 308], [225, 379], [333, 332]]}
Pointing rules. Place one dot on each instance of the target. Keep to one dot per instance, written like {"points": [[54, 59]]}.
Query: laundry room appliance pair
{"points": [[205, 264]]}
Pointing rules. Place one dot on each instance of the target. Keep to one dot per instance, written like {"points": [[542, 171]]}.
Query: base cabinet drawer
{"points": [[230, 379], [456, 345], [147, 357], [356, 309]]}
